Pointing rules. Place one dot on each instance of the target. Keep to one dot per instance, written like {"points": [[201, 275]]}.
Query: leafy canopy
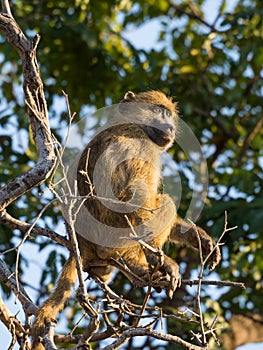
{"points": [[211, 63]]}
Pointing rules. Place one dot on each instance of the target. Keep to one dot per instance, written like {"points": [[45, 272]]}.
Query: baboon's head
{"points": [[156, 114]]}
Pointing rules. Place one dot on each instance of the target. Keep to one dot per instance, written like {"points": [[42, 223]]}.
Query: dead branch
{"points": [[72, 211], [215, 283], [201, 337], [8, 279], [22, 226], [37, 111], [48, 337], [83, 296], [7, 318], [132, 332], [140, 282]]}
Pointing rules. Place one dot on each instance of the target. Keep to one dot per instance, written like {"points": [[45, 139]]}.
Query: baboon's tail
{"points": [[55, 302]]}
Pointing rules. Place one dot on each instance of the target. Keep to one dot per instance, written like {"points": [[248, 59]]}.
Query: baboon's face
{"points": [[161, 129], [154, 112]]}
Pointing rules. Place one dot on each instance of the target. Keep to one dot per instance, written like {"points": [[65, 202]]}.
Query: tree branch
{"points": [[37, 111], [13, 325], [6, 8], [249, 137], [22, 226], [193, 15], [215, 283], [8, 278], [132, 332]]}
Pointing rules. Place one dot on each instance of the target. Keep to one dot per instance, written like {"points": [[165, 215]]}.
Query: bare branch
{"points": [[37, 111], [215, 283], [218, 243], [6, 8], [198, 294], [6, 317], [48, 336], [193, 14], [83, 296], [201, 338], [132, 332], [22, 226], [90, 330], [7, 277]]}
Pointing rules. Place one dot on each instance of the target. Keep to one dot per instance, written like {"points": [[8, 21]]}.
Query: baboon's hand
{"points": [[172, 270], [209, 248], [215, 257], [164, 274]]}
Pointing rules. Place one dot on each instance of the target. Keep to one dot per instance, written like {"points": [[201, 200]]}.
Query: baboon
{"points": [[119, 174]]}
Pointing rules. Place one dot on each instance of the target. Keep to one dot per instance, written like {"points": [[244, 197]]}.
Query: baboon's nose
{"points": [[168, 128]]}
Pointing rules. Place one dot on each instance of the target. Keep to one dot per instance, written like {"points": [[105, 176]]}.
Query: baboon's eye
{"points": [[168, 113], [156, 109]]}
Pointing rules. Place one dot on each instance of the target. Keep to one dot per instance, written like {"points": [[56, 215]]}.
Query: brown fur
{"points": [[55, 303], [146, 169]]}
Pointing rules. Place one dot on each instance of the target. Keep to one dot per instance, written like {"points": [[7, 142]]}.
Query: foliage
{"points": [[212, 64]]}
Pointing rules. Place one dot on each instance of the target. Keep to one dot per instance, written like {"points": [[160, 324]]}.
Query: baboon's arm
{"points": [[188, 234]]}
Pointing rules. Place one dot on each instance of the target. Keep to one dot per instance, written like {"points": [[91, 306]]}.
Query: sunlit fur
{"points": [[125, 182]]}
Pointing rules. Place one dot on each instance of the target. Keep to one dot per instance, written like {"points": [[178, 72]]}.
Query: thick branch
{"points": [[37, 111], [22, 226]]}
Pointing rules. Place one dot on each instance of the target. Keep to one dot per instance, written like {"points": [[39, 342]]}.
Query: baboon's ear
{"points": [[129, 96]]}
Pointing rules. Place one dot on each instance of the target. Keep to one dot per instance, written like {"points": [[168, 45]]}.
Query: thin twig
{"points": [[132, 332], [218, 243], [192, 15], [215, 283], [70, 119], [199, 286], [19, 246], [144, 304], [139, 240], [201, 272]]}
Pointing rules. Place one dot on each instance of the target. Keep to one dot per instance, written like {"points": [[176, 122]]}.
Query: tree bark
{"points": [[37, 111]]}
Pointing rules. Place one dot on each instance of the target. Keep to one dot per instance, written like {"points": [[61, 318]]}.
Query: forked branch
{"points": [[37, 110]]}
